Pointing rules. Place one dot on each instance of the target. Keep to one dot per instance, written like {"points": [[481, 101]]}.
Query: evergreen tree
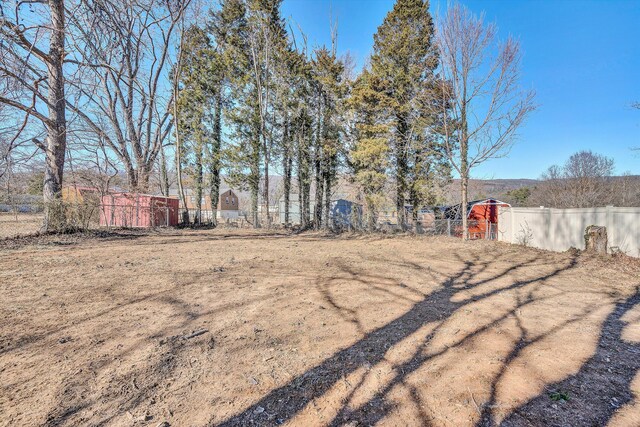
{"points": [[301, 131], [198, 90], [429, 168], [256, 51], [268, 46], [327, 73], [241, 157], [404, 60], [226, 26], [288, 100], [369, 156]]}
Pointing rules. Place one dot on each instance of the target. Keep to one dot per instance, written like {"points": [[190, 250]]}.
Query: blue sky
{"points": [[581, 57]]}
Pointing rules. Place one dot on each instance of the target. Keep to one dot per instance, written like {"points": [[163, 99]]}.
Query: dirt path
{"points": [[210, 328]]}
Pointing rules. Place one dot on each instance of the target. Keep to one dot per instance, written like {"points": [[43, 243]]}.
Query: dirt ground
{"points": [[238, 328]]}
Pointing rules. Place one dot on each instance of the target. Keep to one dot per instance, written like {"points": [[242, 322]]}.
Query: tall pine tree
{"points": [[256, 52], [226, 26], [197, 101], [369, 155], [329, 95], [404, 60]]}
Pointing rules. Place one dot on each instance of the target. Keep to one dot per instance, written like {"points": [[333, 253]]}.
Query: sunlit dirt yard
{"points": [[203, 328]]}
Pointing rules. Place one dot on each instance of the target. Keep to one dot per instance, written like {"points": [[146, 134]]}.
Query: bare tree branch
{"points": [[481, 104]]}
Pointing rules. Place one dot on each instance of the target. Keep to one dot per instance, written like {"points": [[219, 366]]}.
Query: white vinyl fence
{"points": [[561, 229]]}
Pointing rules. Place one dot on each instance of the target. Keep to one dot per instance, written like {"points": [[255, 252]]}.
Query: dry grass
{"points": [[12, 225], [313, 330]]}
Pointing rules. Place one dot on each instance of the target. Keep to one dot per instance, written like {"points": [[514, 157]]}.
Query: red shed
{"points": [[482, 216], [138, 210]]}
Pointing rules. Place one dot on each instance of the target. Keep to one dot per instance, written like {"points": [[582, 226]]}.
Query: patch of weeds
{"points": [[558, 396]]}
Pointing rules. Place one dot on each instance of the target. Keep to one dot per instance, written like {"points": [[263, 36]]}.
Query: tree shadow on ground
{"points": [[133, 388], [476, 280], [284, 403], [601, 386]]}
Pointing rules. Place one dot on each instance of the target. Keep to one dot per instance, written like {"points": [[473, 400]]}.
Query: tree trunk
{"points": [[132, 175], [371, 214], [400, 192], [401, 170], [327, 199], [56, 144], [176, 118], [266, 190], [254, 179], [164, 174], [143, 179], [463, 207], [306, 204], [319, 180], [214, 159], [181, 194], [287, 165], [301, 208], [304, 184], [300, 173], [415, 207], [464, 170], [255, 191], [214, 193], [287, 189], [198, 182]]}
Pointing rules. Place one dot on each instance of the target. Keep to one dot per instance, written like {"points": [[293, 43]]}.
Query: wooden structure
{"points": [[228, 207], [80, 194]]}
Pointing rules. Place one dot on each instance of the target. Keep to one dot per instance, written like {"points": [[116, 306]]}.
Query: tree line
{"points": [[168, 89], [585, 180]]}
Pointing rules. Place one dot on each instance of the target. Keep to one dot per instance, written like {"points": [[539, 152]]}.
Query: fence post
{"points": [[449, 227]]}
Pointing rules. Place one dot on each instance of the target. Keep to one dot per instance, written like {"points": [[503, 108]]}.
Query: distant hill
{"points": [[483, 188]]}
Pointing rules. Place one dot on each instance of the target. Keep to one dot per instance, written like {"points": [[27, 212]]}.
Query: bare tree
{"points": [[177, 131], [9, 136], [583, 181], [625, 190], [124, 52], [32, 52], [481, 103]]}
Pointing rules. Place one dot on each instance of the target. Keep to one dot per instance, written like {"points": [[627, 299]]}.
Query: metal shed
{"points": [[138, 210], [345, 213]]}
